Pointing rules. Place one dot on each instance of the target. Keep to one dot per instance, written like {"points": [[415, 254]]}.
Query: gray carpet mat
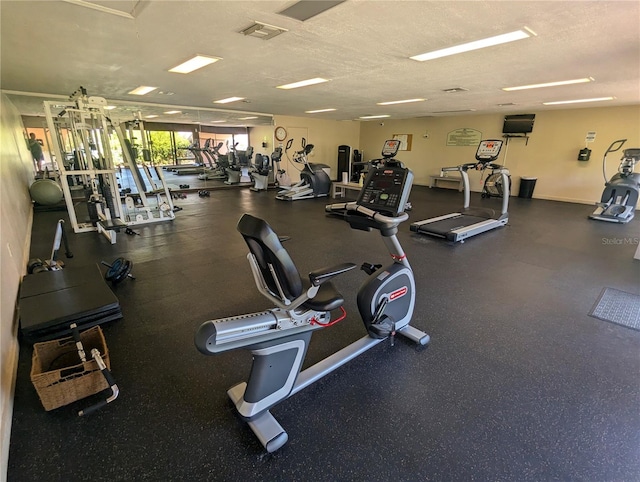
{"points": [[618, 307]]}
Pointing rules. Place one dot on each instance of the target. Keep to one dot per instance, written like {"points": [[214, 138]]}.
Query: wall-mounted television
{"points": [[518, 124]]}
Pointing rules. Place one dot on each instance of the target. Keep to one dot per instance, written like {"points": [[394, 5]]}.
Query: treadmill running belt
{"points": [[445, 226]]}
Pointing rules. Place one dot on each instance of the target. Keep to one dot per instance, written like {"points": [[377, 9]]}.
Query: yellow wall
{"points": [[257, 135], [325, 135], [16, 173], [550, 155]]}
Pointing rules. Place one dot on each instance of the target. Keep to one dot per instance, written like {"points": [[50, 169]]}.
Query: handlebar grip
{"points": [[92, 408], [76, 338], [108, 377]]}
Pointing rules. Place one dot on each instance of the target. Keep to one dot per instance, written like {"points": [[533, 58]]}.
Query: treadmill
{"points": [[456, 227]]}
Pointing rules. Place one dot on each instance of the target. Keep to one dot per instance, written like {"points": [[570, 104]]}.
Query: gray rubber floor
{"points": [[519, 383]]}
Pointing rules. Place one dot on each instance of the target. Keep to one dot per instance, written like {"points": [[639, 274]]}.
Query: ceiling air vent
{"points": [[263, 31], [455, 89]]}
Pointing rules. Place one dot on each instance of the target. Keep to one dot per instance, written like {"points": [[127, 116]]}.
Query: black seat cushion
{"points": [[328, 298]]}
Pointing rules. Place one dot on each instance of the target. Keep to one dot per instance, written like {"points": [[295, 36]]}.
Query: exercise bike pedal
{"points": [[385, 327]]}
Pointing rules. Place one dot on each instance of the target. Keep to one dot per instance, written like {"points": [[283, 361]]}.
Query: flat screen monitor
{"points": [[518, 124]]}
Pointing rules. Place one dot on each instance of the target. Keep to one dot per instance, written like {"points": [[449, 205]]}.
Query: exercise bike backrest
{"points": [[269, 254]]}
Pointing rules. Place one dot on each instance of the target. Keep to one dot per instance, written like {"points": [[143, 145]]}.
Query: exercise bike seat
{"points": [[279, 271], [328, 298]]}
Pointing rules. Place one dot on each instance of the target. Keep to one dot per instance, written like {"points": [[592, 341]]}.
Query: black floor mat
{"points": [[618, 307]]}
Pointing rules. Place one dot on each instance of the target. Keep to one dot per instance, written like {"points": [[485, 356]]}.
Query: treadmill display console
{"points": [[386, 190], [390, 148], [489, 150]]}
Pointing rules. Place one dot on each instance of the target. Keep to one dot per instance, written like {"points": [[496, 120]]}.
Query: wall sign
{"points": [[464, 137], [405, 141]]}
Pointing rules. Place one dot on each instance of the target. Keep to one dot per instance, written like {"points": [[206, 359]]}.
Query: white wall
{"points": [[16, 217], [550, 155]]}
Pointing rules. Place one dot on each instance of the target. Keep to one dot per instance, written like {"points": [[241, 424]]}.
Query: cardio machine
{"points": [[314, 180], [620, 195], [238, 170], [278, 338], [263, 170], [456, 227]]}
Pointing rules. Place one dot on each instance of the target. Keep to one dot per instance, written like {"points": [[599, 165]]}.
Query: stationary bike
{"points": [[238, 170], [314, 180], [262, 169], [620, 195], [278, 338]]}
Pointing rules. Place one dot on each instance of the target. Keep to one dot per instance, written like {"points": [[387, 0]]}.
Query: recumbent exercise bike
{"points": [[278, 338]]}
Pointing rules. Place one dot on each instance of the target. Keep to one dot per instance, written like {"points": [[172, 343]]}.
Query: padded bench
{"points": [[434, 180], [340, 188]]}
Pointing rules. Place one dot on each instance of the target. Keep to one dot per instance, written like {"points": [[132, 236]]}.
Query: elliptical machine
{"points": [[620, 195], [278, 338], [314, 180]]}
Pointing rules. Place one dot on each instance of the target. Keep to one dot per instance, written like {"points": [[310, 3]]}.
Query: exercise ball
{"points": [[46, 192]]}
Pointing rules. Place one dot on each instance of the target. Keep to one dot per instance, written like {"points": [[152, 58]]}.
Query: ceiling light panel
{"points": [[475, 45], [173, 112], [407, 101], [142, 90], [317, 111], [549, 84], [381, 116], [194, 63], [303, 83], [228, 100], [306, 9], [577, 101]]}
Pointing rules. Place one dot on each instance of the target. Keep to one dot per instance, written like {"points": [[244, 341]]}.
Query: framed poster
{"points": [[405, 141], [464, 137]]}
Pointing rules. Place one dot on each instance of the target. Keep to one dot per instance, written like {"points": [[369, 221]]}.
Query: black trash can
{"points": [[527, 184]]}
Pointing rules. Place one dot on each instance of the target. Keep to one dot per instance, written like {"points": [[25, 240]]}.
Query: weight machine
{"points": [[81, 139]]}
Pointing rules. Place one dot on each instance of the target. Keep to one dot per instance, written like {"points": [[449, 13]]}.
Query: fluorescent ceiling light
{"points": [[549, 84], [142, 90], [101, 8], [595, 99], [303, 83], [173, 112], [151, 116], [109, 107], [373, 116], [318, 111], [195, 63], [227, 100], [247, 118], [400, 101], [477, 44], [213, 122]]}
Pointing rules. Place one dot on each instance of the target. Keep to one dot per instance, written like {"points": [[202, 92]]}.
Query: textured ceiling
{"points": [[362, 46]]}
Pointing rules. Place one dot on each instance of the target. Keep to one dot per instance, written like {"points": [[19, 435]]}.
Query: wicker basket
{"points": [[58, 376]]}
